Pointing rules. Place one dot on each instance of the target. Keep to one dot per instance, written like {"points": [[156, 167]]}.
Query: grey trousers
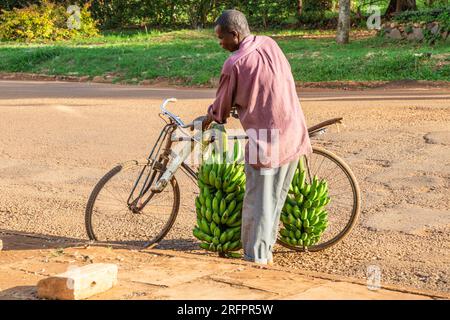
{"points": [[265, 194]]}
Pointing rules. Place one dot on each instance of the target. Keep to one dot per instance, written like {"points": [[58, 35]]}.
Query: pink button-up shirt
{"points": [[258, 81]]}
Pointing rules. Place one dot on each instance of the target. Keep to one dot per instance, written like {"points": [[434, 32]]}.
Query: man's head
{"points": [[231, 29]]}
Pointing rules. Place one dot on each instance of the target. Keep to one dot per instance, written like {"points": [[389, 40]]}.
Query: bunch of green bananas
{"points": [[219, 204], [304, 216]]}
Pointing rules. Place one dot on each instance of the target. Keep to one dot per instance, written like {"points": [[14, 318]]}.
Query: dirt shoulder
{"points": [[168, 274]]}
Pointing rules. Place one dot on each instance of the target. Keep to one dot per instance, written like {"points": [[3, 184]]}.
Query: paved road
{"points": [[39, 89]]}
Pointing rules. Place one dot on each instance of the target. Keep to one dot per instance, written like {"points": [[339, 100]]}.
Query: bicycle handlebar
{"points": [[174, 117]]}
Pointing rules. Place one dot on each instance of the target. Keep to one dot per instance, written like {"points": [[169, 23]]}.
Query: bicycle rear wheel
{"points": [[110, 218], [344, 207]]}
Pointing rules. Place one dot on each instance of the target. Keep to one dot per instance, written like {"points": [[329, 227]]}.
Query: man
{"points": [[257, 80]]}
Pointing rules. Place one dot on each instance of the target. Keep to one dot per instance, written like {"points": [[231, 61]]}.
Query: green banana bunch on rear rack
{"points": [[304, 215], [221, 180]]}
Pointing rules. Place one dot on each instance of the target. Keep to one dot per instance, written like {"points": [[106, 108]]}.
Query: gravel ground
{"points": [[54, 148]]}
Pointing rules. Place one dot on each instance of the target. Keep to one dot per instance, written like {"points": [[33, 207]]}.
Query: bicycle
{"points": [[147, 195]]}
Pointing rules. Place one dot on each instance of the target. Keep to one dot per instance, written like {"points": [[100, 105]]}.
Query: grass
{"points": [[194, 57]]}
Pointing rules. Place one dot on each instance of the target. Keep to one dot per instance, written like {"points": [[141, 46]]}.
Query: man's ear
{"points": [[235, 34]]}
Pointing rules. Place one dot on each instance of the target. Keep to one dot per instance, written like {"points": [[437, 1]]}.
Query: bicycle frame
{"points": [[163, 162]]}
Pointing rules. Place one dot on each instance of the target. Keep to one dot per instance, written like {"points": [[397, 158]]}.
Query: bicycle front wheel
{"points": [[344, 207], [112, 217]]}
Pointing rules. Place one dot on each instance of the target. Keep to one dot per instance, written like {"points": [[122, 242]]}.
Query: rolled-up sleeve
{"points": [[220, 109]]}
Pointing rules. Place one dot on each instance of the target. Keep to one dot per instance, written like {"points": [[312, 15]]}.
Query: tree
{"points": [[299, 7], [400, 5], [343, 29]]}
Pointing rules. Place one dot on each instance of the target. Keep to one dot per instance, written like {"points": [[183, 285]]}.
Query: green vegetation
{"points": [[46, 21], [202, 13], [194, 57]]}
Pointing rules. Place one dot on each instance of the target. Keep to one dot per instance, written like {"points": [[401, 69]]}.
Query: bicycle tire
{"points": [[106, 178]]}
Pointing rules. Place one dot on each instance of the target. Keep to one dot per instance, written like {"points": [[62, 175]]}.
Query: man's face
{"points": [[228, 40]]}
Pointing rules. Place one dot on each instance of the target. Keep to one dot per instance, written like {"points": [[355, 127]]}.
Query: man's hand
{"points": [[205, 122]]}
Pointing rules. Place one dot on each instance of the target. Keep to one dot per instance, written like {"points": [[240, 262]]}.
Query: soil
{"points": [[59, 139]]}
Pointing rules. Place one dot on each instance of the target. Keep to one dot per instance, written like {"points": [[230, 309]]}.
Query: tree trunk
{"points": [[299, 7], [343, 29], [400, 5]]}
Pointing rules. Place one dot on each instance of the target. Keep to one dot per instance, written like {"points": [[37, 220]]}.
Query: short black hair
{"points": [[233, 20]]}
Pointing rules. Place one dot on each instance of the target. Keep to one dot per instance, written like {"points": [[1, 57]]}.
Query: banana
{"points": [[225, 216], [204, 226], [291, 219], [284, 219], [212, 177], [306, 190], [205, 173], [307, 204], [310, 230], [295, 179], [238, 207], [215, 204], [236, 224], [291, 201], [230, 197], [212, 227], [198, 205], [300, 165], [232, 206], [292, 234], [203, 210], [312, 195], [229, 234], [306, 223], [201, 198], [304, 236], [235, 245], [288, 207], [301, 180], [208, 203], [304, 214], [296, 212], [201, 184], [237, 150], [223, 206], [208, 215], [218, 183], [230, 188], [216, 217], [298, 224], [316, 203], [217, 232], [223, 238], [314, 183], [299, 198], [205, 246], [284, 233]]}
